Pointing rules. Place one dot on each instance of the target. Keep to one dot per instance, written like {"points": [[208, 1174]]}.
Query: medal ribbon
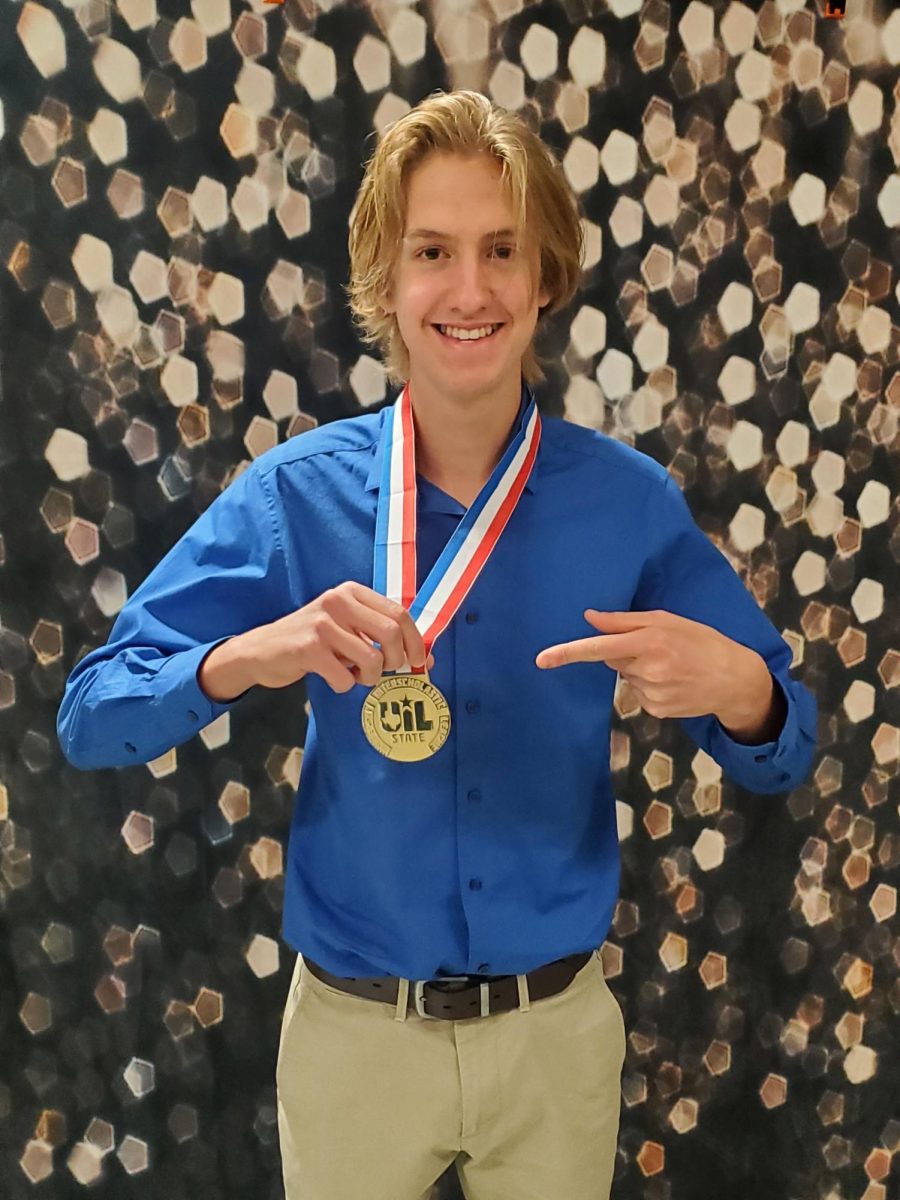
{"points": [[462, 559]]}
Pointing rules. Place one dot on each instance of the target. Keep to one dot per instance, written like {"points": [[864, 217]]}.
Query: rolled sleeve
{"points": [[137, 696], [685, 573]]}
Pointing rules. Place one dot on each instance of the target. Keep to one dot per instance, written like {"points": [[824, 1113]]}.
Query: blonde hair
{"points": [[462, 122]]}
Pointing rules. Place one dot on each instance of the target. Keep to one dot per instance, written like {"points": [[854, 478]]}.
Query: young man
{"points": [[460, 581]]}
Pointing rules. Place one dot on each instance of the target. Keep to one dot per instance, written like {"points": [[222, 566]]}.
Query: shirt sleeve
{"points": [[685, 573], [137, 696]]}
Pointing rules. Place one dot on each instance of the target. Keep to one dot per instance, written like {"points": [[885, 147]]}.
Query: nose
{"points": [[471, 287]]}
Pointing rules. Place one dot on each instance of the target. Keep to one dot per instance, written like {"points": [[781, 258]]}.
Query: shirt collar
{"points": [[431, 496]]}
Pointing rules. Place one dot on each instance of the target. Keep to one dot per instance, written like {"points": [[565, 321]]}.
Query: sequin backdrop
{"points": [[174, 189]]}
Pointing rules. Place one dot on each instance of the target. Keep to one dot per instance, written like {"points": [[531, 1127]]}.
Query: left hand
{"points": [[677, 667]]}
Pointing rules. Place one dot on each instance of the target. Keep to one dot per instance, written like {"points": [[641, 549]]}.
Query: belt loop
{"points": [[402, 999], [524, 999]]}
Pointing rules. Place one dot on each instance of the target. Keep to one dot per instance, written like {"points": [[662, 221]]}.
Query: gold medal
{"points": [[406, 718]]}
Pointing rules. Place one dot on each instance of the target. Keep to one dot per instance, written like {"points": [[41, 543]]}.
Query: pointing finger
{"points": [[593, 649]]}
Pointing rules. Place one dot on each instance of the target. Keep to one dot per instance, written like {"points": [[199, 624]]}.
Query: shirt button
{"points": [[130, 748], [474, 794], [472, 706], [475, 885], [471, 618], [759, 758], [193, 715], [484, 967]]}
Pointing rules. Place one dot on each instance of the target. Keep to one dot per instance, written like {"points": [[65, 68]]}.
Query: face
{"points": [[459, 272]]}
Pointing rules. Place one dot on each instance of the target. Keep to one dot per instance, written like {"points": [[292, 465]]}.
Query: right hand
{"points": [[332, 637]]}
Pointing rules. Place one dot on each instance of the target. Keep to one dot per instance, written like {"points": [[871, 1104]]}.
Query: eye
{"points": [[428, 250], [504, 251]]}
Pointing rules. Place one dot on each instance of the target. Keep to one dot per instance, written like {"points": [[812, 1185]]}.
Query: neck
{"points": [[459, 440]]}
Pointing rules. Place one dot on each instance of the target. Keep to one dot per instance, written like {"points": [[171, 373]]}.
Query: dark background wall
{"points": [[175, 185]]}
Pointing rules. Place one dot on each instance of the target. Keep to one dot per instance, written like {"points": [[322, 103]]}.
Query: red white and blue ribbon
{"points": [[460, 563]]}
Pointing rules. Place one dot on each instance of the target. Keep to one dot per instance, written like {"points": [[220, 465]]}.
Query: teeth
{"points": [[467, 335]]}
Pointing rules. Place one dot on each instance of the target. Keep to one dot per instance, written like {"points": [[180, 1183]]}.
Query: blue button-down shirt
{"points": [[500, 852]]}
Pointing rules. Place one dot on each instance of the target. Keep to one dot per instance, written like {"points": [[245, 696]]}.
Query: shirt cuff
{"points": [[775, 766], [182, 708]]}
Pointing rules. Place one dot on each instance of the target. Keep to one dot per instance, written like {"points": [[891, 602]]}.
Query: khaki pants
{"points": [[376, 1102]]}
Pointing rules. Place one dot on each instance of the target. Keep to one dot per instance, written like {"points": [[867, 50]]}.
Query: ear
{"points": [[543, 298], [387, 306]]}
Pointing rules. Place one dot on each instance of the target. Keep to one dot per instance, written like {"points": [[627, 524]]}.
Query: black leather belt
{"points": [[457, 997]]}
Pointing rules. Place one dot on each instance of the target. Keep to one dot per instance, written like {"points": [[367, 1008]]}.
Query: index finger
{"points": [[598, 648], [413, 642]]}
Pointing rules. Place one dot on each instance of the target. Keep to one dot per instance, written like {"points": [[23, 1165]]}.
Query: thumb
{"points": [[616, 622], [605, 620]]}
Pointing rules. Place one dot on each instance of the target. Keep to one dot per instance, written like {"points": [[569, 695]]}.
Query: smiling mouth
{"points": [[482, 333]]}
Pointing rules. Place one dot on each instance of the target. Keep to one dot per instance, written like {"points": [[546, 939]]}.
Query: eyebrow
{"points": [[449, 237]]}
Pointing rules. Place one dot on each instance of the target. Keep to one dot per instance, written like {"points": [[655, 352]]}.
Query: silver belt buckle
{"points": [[420, 995]]}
